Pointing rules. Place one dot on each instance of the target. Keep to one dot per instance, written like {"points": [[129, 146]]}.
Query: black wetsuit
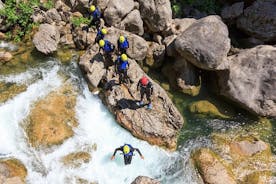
{"points": [[145, 90], [127, 157]]}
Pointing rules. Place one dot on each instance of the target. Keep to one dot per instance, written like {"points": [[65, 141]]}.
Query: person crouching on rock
{"points": [[146, 88], [123, 44], [121, 67], [108, 49], [96, 17], [128, 151], [100, 34]]}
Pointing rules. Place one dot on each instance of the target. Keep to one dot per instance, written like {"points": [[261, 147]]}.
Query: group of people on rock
{"points": [[121, 64]]}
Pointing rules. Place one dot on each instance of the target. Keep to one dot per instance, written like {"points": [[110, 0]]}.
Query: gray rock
{"points": [[169, 42], [61, 6], [116, 10], [47, 38], [259, 20], [39, 16], [5, 56], [138, 46], [52, 15], [205, 43], [155, 55], [145, 180], [233, 11], [178, 26], [251, 80], [133, 23], [82, 38], [1, 5], [102, 4], [157, 14]]}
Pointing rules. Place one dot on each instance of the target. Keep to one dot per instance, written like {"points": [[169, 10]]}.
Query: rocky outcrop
{"points": [[52, 15], [211, 168], [133, 23], [205, 43], [178, 26], [232, 12], [82, 38], [12, 171], [157, 14], [9, 90], [66, 37], [102, 4], [76, 159], [47, 38], [206, 108], [138, 47], [159, 126], [259, 20], [116, 10], [145, 180], [250, 80], [5, 56], [57, 110], [155, 55]]}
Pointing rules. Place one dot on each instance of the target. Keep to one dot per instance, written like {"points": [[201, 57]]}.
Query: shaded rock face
{"points": [[76, 159], [138, 47], [57, 110], [259, 20], [116, 10], [9, 90], [159, 126], [5, 56], [47, 38], [133, 23], [145, 180], [155, 55], [211, 168], [83, 39], [157, 14], [205, 43], [12, 171], [251, 80], [233, 11]]}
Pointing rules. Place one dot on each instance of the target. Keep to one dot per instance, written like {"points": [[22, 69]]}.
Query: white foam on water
{"points": [[96, 125], [8, 45]]}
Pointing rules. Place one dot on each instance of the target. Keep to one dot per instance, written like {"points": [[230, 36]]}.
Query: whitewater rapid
{"points": [[96, 126]]}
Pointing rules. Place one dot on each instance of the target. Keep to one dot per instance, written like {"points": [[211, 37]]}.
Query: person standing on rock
{"points": [[123, 44], [100, 34], [146, 88], [128, 151], [108, 49], [96, 16], [121, 67]]}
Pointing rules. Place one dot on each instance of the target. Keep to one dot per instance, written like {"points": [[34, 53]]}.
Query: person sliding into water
{"points": [[127, 150], [146, 88], [121, 67], [96, 16], [100, 34], [123, 44]]}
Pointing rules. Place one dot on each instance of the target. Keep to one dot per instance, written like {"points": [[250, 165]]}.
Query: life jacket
{"points": [[100, 35], [124, 45], [130, 153], [108, 47], [96, 14], [122, 65]]}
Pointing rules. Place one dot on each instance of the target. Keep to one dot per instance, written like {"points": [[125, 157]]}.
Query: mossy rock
{"points": [[206, 108], [52, 119], [261, 177], [211, 167], [76, 159], [12, 170], [10, 90], [66, 55], [191, 90]]}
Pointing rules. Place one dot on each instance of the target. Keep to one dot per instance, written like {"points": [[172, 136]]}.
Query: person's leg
{"points": [[149, 99], [127, 160], [121, 77]]}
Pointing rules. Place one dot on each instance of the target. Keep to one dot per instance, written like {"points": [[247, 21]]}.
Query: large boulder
{"points": [[251, 80], [211, 168], [145, 180], [159, 126], [178, 26], [138, 46], [133, 23], [47, 38], [116, 10], [259, 20], [205, 43], [157, 14], [12, 171]]}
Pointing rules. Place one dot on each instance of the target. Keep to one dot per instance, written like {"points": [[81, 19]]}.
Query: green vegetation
{"points": [[77, 21], [207, 6], [17, 16]]}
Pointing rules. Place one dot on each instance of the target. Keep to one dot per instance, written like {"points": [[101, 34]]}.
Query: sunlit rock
{"points": [[12, 171], [9, 90]]}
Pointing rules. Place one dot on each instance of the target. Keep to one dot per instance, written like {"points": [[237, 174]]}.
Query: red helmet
{"points": [[144, 81]]}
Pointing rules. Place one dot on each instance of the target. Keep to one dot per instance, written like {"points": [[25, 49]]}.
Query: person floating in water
{"points": [[127, 150]]}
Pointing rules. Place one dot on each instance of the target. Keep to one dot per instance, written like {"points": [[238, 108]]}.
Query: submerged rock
{"points": [[205, 108], [251, 80], [52, 119], [145, 180], [12, 171], [211, 168], [205, 43], [47, 38], [76, 159], [9, 90]]}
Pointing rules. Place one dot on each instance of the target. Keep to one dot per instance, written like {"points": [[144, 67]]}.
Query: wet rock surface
{"points": [[145, 180], [12, 171], [9, 90], [76, 159]]}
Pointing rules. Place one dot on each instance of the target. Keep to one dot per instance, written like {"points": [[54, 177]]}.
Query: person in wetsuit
{"points": [[127, 150]]}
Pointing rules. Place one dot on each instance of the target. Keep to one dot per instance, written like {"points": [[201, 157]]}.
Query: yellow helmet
{"points": [[124, 57], [121, 39], [101, 43], [126, 149], [92, 8], [104, 31]]}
